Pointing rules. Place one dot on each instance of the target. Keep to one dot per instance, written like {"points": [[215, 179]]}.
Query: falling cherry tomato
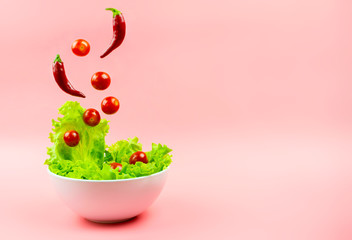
{"points": [[80, 47], [115, 165], [71, 138], [91, 117], [138, 156], [110, 105], [100, 80]]}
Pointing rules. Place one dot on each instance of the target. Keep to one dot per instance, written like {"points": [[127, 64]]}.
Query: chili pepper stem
{"points": [[57, 59], [114, 11]]}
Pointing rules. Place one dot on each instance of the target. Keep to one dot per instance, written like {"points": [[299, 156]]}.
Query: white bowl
{"points": [[108, 201]]}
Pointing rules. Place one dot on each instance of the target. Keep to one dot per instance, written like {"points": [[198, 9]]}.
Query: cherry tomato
{"points": [[138, 157], [91, 117], [101, 80], [110, 105], [71, 138], [80, 47], [115, 165]]}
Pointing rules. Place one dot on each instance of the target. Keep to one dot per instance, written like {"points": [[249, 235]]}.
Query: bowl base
{"points": [[110, 221]]}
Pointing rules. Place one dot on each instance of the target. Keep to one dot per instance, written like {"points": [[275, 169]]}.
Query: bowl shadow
{"points": [[128, 223]]}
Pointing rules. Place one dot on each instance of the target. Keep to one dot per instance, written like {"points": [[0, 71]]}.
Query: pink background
{"points": [[253, 96]]}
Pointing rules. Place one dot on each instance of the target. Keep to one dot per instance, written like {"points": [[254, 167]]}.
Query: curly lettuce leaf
{"points": [[158, 158], [122, 150], [88, 155]]}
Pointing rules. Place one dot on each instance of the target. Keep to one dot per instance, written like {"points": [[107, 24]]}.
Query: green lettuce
{"points": [[158, 158], [88, 155], [90, 159]]}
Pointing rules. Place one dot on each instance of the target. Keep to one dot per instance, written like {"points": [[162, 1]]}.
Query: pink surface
{"points": [[253, 96]]}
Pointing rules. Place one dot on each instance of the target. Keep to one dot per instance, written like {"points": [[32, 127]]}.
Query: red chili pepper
{"points": [[61, 79], [119, 31]]}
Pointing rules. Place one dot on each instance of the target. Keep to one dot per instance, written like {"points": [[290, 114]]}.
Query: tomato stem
{"points": [[114, 11], [57, 59]]}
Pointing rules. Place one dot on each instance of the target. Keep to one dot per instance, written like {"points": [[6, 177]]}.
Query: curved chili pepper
{"points": [[61, 79], [119, 31]]}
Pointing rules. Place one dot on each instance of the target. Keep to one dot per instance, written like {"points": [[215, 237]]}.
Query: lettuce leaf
{"points": [[122, 150], [88, 155], [90, 159], [158, 158]]}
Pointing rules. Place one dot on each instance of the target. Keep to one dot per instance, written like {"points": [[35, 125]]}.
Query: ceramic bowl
{"points": [[108, 201]]}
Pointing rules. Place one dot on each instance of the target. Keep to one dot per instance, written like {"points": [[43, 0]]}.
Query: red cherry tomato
{"points": [[100, 80], [110, 105], [71, 138], [115, 165], [91, 117], [138, 157], [80, 47]]}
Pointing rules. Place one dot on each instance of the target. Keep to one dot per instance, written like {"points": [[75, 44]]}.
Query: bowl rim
{"points": [[111, 180]]}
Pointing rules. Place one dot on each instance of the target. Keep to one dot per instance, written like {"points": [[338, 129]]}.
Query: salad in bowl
{"points": [[103, 183]]}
